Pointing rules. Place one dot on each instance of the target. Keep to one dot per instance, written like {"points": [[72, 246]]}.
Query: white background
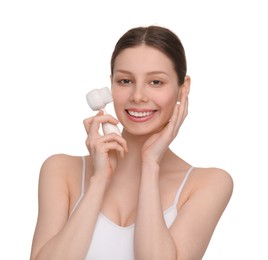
{"points": [[53, 52]]}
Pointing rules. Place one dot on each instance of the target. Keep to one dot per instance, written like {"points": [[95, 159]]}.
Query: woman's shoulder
{"points": [[61, 166], [213, 179], [199, 176], [213, 174], [61, 162], [61, 175]]}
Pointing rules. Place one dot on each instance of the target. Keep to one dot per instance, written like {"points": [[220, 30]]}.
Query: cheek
{"points": [[167, 102], [117, 96], [118, 101]]}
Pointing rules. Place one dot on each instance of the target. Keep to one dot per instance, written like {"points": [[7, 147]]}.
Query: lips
{"points": [[140, 115]]}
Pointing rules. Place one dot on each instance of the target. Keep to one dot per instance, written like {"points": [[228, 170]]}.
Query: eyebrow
{"points": [[122, 71], [149, 73]]}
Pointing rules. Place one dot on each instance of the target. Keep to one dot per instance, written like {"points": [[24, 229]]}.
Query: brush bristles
{"points": [[98, 98]]}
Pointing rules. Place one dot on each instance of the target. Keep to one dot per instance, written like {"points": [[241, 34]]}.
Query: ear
{"points": [[185, 87]]}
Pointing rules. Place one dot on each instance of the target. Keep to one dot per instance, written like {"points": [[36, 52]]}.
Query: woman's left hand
{"points": [[157, 144]]}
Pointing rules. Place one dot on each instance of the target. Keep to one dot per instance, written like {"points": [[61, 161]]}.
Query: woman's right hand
{"points": [[103, 148]]}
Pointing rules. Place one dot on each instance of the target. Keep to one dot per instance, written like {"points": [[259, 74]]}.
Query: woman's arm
{"points": [[211, 190], [152, 238], [56, 235], [189, 235]]}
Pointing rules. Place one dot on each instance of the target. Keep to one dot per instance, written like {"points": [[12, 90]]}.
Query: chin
{"points": [[143, 130]]}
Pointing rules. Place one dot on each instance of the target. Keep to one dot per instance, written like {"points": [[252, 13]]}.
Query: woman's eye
{"points": [[156, 83], [125, 82]]}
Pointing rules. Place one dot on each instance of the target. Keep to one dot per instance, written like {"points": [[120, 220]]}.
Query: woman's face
{"points": [[145, 89]]}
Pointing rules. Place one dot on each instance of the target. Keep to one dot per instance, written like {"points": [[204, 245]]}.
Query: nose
{"points": [[138, 94]]}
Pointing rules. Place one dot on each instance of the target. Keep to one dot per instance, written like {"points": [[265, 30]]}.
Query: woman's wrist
{"points": [[150, 167], [150, 163], [98, 182]]}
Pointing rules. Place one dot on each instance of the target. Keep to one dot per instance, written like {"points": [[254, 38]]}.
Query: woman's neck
{"points": [[132, 159], [134, 141]]}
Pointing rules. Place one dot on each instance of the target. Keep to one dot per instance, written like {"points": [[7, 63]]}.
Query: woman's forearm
{"points": [[152, 238], [73, 241]]}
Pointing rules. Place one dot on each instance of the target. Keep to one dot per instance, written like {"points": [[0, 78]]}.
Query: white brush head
{"points": [[98, 98]]}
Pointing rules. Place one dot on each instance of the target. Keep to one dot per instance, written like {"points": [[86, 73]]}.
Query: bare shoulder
{"points": [[214, 177], [61, 174], [61, 162], [214, 182]]}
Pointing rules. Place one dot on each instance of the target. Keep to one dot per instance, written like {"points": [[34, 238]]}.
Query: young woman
{"points": [[132, 197]]}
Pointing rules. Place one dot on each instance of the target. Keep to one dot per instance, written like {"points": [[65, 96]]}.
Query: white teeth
{"points": [[140, 114]]}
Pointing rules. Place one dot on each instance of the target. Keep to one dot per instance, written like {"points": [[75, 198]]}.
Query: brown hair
{"points": [[158, 37]]}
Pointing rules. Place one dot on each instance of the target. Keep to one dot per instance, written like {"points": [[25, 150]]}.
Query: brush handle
{"points": [[108, 128]]}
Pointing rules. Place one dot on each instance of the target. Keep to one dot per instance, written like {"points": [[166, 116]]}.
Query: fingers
{"points": [[179, 114], [107, 143], [88, 121], [92, 124], [98, 143], [115, 138], [183, 109]]}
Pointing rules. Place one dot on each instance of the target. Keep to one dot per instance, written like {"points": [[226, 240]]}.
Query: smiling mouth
{"points": [[140, 114]]}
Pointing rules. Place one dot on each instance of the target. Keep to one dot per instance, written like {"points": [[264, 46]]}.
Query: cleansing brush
{"points": [[97, 99]]}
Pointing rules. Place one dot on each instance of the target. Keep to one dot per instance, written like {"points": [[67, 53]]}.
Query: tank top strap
{"points": [[82, 184], [182, 185]]}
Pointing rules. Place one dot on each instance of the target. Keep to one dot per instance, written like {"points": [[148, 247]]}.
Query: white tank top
{"points": [[113, 242]]}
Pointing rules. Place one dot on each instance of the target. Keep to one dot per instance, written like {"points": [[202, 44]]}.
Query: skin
{"points": [[143, 80]]}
